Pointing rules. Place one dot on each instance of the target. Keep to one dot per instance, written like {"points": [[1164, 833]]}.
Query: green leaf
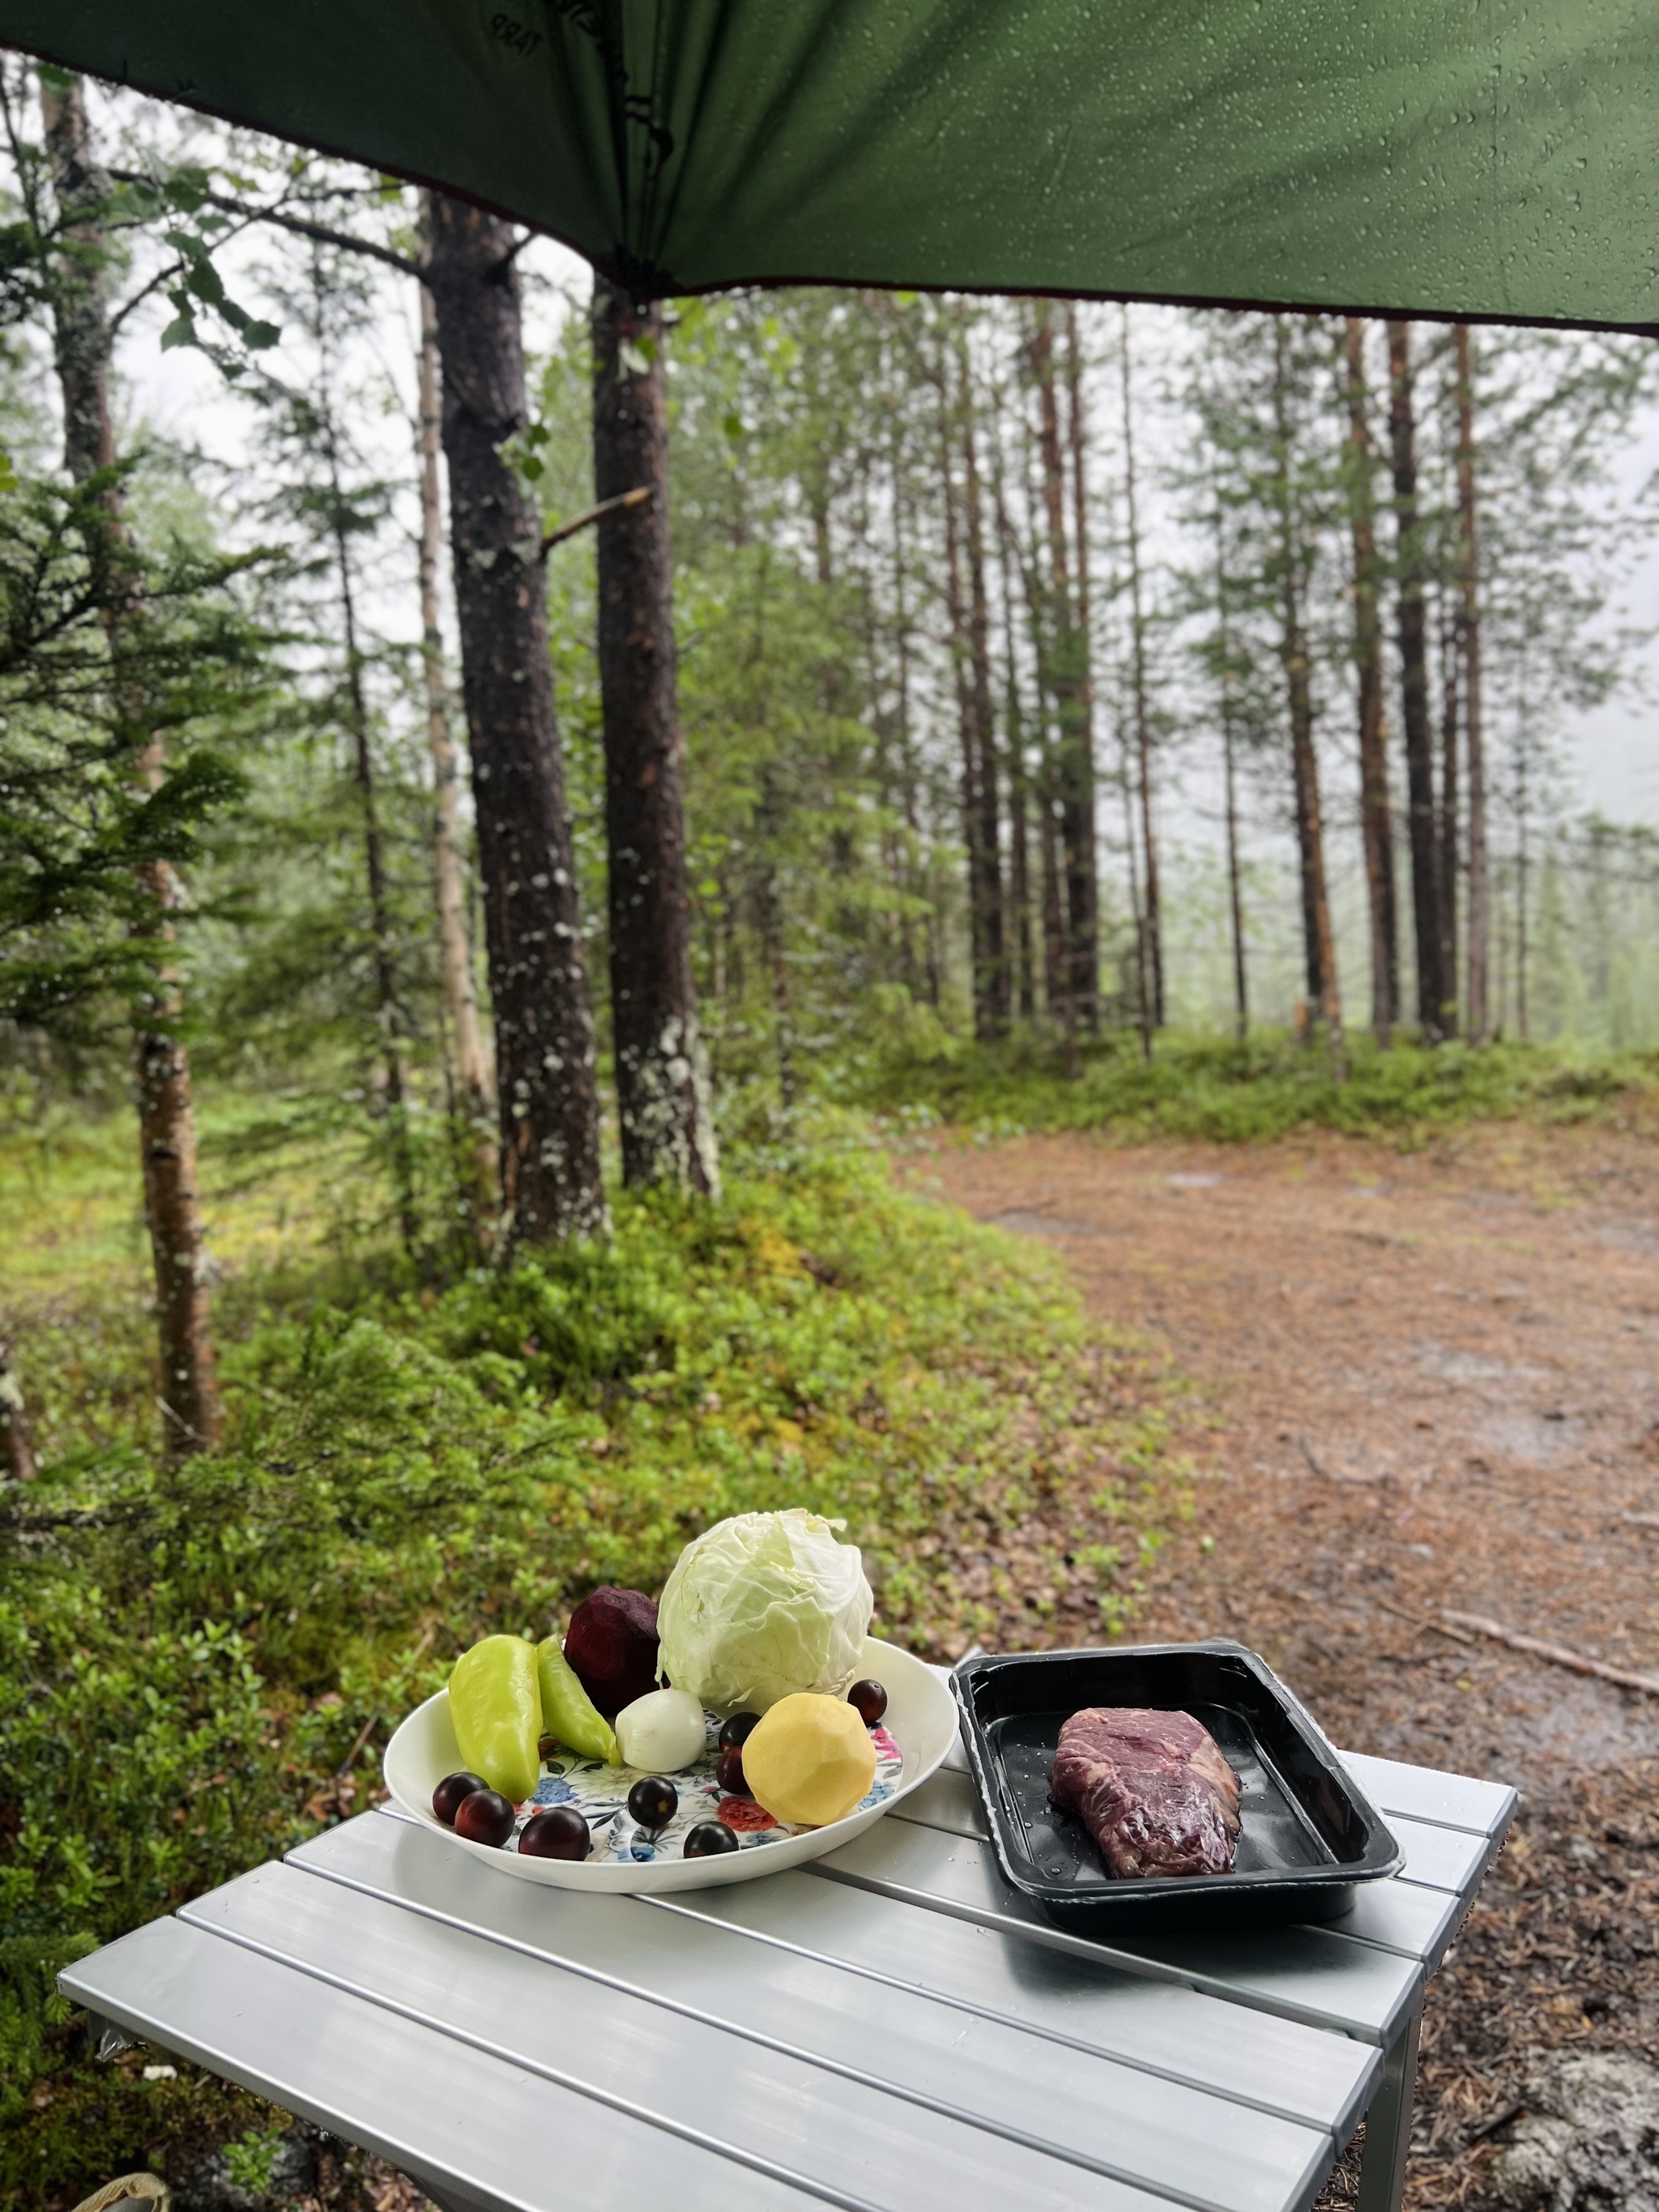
{"points": [[203, 279], [180, 333]]}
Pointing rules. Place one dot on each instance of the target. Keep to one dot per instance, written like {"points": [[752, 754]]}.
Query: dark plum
{"points": [[708, 1840], [653, 1801], [737, 1730], [729, 1772], [559, 1833], [485, 1817], [448, 1797], [868, 1700]]}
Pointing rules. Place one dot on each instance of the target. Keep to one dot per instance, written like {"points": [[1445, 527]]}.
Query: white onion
{"points": [[661, 1732]]}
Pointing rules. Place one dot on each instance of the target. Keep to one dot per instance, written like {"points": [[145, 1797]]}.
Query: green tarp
{"points": [[1479, 157]]}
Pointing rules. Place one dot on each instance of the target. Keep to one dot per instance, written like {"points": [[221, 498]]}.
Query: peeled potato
{"points": [[809, 1761]]}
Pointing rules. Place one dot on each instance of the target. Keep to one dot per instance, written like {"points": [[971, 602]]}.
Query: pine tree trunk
{"points": [[988, 889], [775, 951], [662, 1075], [18, 1462], [1448, 823], [968, 733], [1143, 722], [1479, 912], [388, 1012], [189, 1394], [1020, 840], [1065, 683], [1414, 691], [1376, 817], [1230, 782], [1057, 962], [549, 1099], [1081, 841], [1319, 943], [460, 990]]}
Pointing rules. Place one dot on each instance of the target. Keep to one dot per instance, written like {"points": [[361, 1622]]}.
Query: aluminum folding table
{"points": [[893, 2030]]}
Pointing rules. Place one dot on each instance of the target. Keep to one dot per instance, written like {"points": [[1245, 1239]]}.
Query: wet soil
{"points": [[1415, 1384]]}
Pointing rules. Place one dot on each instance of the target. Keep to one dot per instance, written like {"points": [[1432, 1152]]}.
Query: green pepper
{"points": [[568, 1711], [496, 1706]]}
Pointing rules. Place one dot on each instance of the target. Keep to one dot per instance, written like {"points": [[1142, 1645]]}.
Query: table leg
{"points": [[1388, 2125]]}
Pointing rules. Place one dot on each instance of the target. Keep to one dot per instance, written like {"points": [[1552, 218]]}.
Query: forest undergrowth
{"points": [[1211, 1090], [201, 1664]]}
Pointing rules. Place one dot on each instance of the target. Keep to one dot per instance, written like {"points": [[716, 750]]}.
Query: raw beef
{"points": [[1152, 1789]]}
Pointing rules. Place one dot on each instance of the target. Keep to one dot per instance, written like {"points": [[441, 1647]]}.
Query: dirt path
{"points": [[1419, 1382]]}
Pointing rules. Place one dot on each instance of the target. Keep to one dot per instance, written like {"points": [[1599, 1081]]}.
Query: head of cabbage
{"points": [[762, 1604]]}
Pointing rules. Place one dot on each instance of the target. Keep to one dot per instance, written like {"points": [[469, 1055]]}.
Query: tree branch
{"points": [[301, 226], [637, 497]]}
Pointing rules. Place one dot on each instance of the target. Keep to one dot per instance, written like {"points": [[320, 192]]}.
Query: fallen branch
{"points": [[1641, 1520], [1557, 1654], [1419, 1620]]}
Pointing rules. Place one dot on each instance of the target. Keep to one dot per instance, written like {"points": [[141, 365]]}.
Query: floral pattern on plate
{"points": [[599, 1793]]}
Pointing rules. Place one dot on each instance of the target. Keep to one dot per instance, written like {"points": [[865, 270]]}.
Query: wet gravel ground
{"points": [[1412, 1384]]}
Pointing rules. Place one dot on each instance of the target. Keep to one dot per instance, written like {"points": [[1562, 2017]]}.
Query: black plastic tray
{"points": [[1308, 1832]]}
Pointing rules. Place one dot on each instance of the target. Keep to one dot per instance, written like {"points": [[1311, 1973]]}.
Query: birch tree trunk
{"points": [[1414, 691], [189, 1394], [1375, 816], [1476, 1014], [662, 1074], [472, 1073], [549, 1100]]}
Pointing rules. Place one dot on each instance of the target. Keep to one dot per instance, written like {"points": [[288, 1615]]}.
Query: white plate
{"points": [[921, 1714]]}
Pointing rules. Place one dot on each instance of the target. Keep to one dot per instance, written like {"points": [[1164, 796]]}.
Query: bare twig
{"points": [[1418, 1621], [1641, 1520], [637, 497], [1557, 1654], [1499, 2119]]}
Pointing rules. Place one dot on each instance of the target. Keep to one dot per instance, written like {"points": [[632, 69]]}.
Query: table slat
{"points": [[1442, 1858], [1418, 1793], [1301, 1972], [1277, 2066], [476, 2128], [687, 2075], [1094, 2109]]}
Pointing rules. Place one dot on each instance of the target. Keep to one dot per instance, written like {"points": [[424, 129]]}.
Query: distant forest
{"points": [[485, 736]]}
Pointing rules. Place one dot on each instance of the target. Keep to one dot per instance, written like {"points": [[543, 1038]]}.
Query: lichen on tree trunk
{"points": [[544, 1046], [662, 1080], [472, 1073]]}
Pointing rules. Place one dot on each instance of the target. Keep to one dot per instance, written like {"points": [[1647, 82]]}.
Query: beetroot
{"points": [[611, 1645]]}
